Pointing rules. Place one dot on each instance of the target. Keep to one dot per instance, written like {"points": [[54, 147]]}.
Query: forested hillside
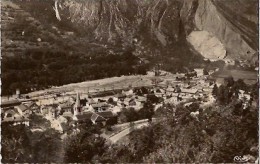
{"points": [[156, 31]]}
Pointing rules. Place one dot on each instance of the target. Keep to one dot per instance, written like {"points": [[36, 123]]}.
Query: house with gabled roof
{"points": [[103, 118], [100, 106], [11, 113], [23, 110], [12, 116], [33, 107], [133, 102], [91, 101], [127, 100], [89, 117], [141, 99], [115, 109], [16, 120], [121, 96], [111, 118], [67, 115], [50, 110], [65, 107], [189, 91], [129, 92]]}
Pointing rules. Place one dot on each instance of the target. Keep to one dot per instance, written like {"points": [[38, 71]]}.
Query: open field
{"points": [[106, 84], [237, 74], [249, 77], [97, 86]]}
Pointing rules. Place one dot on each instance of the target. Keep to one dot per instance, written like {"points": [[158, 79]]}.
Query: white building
{"points": [[199, 71]]}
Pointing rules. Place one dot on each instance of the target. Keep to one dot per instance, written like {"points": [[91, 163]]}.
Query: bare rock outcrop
{"points": [[236, 31], [159, 24]]}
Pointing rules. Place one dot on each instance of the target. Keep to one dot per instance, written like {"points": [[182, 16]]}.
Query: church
{"points": [[101, 117]]}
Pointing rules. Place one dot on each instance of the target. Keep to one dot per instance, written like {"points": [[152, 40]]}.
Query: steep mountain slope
{"points": [[58, 39], [20, 31], [120, 22], [147, 28], [157, 24], [110, 19], [233, 22]]}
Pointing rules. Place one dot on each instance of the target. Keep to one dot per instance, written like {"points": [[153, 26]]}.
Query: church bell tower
{"points": [[77, 108]]}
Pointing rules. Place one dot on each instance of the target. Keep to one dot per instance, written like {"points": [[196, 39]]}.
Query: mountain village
{"points": [[104, 107]]}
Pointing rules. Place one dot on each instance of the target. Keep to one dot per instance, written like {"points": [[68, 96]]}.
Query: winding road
{"points": [[130, 127], [126, 131]]}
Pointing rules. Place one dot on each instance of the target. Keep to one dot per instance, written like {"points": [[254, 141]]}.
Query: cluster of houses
{"points": [[179, 89], [16, 113], [95, 110], [105, 110]]}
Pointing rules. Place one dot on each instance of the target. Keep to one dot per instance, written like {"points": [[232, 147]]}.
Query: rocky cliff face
{"points": [[228, 27], [124, 20], [233, 23]]}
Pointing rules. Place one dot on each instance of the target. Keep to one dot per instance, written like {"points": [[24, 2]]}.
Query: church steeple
{"points": [[77, 107]]}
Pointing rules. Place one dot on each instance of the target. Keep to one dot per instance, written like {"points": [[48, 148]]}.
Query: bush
{"points": [[217, 137], [84, 146]]}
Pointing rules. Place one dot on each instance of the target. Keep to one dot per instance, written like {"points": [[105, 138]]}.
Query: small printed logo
{"points": [[240, 159]]}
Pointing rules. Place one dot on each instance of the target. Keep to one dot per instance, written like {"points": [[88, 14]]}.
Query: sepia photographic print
{"points": [[129, 81]]}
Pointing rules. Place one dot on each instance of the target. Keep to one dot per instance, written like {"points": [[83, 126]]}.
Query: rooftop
{"points": [[120, 95], [67, 114], [10, 103], [99, 105], [141, 99], [23, 107], [106, 114], [91, 117], [15, 119], [30, 104], [193, 91], [91, 101], [11, 111], [66, 105]]}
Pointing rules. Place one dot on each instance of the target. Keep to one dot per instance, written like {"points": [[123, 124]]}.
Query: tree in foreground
{"points": [[218, 137], [215, 90], [84, 146], [15, 144]]}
